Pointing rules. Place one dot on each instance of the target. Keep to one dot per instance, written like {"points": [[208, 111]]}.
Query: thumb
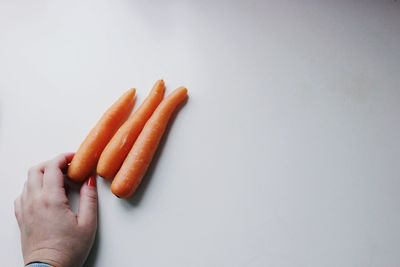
{"points": [[87, 213]]}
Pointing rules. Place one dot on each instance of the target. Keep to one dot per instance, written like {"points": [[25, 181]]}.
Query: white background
{"points": [[286, 154]]}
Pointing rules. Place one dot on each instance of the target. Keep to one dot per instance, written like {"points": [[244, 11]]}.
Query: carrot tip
{"points": [[131, 93], [183, 88]]}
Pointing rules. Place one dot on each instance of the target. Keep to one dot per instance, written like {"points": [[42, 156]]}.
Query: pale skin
{"points": [[50, 231]]}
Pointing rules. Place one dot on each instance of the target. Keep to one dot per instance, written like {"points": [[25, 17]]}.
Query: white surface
{"points": [[287, 153]]}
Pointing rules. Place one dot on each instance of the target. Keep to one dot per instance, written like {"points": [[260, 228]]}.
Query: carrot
{"points": [[85, 159], [118, 148], [136, 163]]}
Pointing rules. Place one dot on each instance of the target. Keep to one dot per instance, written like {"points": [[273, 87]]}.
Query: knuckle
{"points": [[34, 169], [45, 202], [58, 159], [46, 164], [31, 171]]}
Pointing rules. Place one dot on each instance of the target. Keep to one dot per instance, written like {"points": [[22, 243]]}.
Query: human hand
{"points": [[50, 231]]}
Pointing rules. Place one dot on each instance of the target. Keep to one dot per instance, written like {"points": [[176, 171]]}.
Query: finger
{"points": [[35, 178], [87, 213], [53, 174]]}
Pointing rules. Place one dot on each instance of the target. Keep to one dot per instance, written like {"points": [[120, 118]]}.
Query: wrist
{"points": [[38, 264], [46, 257]]}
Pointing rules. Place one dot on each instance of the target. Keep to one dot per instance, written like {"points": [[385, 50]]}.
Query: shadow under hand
{"points": [[140, 191], [92, 258]]}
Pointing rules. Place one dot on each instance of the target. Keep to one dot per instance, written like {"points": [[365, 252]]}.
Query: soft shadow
{"points": [[92, 258], [140, 191]]}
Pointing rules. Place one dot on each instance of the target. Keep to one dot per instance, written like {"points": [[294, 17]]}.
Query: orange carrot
{"points": [[85, 159], [118, 148], [136, 163]]}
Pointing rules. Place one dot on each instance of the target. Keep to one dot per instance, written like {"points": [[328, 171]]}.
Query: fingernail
{"points": [[92, 181]]}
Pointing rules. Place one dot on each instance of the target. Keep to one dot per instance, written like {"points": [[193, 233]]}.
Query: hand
{"points": [[50, 231]]}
